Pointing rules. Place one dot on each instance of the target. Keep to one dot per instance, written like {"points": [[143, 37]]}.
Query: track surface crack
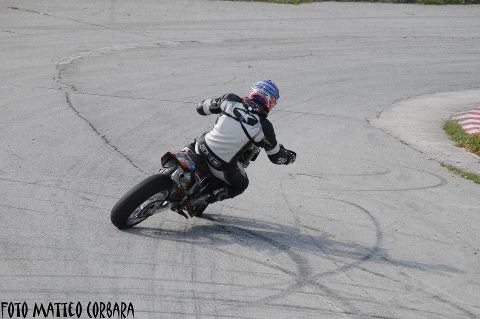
{"points": [[96, 131]]}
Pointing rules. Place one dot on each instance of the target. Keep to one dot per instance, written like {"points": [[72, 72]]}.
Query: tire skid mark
{"points": [[153, 263], [303, 272], [145, 279], [318, 114], [58, 203], [375, 250], [81, 181], [74, 203], [302, 265], [133, 97], [441, 182], [377, 274], [377, 254], [437, 295], [371, 252], [455, 305], [436, 241], [82, 22], [174, 237], [71, 216], [303, 268], [312, 278], [352, 284], [268, 265], [330, 292], [236, 302], [38, 183], [284, 292], [331, 220], [193, 277], [53, 247], [346, 303], [386, 171], [435, 314]]}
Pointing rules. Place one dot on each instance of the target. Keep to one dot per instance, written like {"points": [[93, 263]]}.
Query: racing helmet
{"points": [[265, 93]]}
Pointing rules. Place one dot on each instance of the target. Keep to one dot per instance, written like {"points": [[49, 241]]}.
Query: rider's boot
{"points": [[197, 206], [218, 194]]}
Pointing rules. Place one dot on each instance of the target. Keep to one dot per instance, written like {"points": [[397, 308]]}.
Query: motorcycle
{"points": [[179, 185]]}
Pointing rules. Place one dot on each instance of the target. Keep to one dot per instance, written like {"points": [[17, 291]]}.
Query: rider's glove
{"points": [[291, 157]]}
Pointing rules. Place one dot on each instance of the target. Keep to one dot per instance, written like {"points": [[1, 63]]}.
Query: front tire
{"points": [[137, 204]]}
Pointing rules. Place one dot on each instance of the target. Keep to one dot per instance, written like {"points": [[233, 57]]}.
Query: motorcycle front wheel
{"points": [[142, 201]]}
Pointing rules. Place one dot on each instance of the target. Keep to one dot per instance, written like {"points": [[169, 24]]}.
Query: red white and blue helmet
{"points": [[264, 92]]}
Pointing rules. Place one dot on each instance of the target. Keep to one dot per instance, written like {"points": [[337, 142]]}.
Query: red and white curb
{"points": [[469, 120]]}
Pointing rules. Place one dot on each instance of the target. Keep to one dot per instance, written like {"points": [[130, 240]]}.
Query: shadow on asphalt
{"points": [[273, 237]]}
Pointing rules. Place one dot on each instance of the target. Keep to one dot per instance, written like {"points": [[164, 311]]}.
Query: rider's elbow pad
{"points": [[203, 108], [200, 109]]}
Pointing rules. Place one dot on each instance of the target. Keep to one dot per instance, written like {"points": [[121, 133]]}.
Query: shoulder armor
{"points": [[232, 98]]}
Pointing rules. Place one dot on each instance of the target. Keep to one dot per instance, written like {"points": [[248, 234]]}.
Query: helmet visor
{"points": [[268, 100], [273, 101]]}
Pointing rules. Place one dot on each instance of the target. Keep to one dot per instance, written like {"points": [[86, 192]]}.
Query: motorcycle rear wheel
{"points": [[142, 201]]}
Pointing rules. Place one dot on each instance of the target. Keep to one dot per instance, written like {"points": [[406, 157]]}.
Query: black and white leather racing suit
{"points": [[240, 131]]}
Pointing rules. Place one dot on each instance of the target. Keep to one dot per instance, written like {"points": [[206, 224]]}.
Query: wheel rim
{"points": [[148, 208]]}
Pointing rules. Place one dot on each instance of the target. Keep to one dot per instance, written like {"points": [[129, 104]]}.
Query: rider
{"points": [[239, 132]]}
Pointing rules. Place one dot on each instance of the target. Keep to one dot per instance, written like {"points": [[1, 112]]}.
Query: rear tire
{"points": [[121, 214]]}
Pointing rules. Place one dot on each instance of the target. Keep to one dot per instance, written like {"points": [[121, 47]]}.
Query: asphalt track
{"points": [[362, 226]]}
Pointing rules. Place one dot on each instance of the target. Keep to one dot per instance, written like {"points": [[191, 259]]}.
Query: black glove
{"points": [[292, 156]]}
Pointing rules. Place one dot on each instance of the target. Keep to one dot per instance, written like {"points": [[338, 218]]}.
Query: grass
{"points": [[437, 2], [474, 177], [461, 138]]}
